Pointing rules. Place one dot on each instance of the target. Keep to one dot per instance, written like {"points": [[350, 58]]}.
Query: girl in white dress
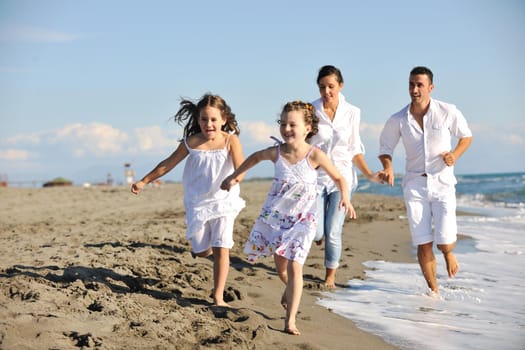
{"points": [[287, 224], [213, 151]]}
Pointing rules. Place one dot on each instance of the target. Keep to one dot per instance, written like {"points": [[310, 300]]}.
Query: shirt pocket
{"points": [[438, 129]]}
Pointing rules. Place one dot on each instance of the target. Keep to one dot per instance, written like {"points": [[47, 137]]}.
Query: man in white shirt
{"points": [[426, 127]]}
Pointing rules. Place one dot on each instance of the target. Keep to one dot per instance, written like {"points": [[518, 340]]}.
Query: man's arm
{"points": [[387, 174], [450, 158]]}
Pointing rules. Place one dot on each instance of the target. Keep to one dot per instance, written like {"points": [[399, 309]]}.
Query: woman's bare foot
{"points": [[329, 284], [452, 264], [329, 280]]}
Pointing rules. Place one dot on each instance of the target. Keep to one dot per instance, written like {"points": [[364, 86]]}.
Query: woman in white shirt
{"points": [[339, 138]]}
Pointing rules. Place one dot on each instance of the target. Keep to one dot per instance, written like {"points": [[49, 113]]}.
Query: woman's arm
{"points": [[360, 163]]}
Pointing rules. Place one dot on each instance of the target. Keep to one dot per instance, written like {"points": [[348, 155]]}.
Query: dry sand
{"points": [[101, 268]]}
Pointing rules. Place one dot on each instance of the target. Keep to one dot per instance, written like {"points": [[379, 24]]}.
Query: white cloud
{"points": [[32, 139], [14, 154], [94, 139], [514, 139], [504, 135], [152, 139], [370, 131], [259, 132], [34, 34], [77, 145]]}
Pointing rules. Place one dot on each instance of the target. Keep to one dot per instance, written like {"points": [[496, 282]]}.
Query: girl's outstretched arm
{"points": [[319, 159], [162, 168], [254, 158]]}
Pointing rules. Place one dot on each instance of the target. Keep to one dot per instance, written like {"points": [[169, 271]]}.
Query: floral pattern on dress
{"points": [[287, 222]]}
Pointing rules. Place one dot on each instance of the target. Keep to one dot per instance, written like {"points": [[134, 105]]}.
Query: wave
{"points": [[504, 190]]}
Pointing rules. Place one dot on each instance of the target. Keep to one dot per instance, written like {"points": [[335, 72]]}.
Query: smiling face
{"points": [[329, 88], [293, 128], [211, 121], [419, 88]]}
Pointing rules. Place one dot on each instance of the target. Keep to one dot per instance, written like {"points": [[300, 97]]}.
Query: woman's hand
{"points": [[348, 207], [376, 177]]}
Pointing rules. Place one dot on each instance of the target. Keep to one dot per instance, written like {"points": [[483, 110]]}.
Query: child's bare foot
{"points": [[222, 303], [204, 254], [284, 302], [452, 264], [292, 330]]}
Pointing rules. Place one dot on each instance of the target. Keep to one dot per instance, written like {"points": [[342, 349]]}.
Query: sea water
{"points": [[483, 307]]}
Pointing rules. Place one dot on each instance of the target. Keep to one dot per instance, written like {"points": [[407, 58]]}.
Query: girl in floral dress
{"points": [[287, 223]]}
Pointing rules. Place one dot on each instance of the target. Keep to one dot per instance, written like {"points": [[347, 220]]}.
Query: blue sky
{"points": [[88, 86]]}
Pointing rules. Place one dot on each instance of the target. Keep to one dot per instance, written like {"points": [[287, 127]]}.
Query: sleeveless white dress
{"points": [[287, 223], [203, 174]]}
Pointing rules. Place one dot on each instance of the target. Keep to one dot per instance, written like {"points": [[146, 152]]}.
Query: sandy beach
{"points": [[102, 268]]}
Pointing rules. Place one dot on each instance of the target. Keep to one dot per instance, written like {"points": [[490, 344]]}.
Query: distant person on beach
{"points": [[214, 151], [426, 127], [339, 138], [129, 174], [287, 223]]}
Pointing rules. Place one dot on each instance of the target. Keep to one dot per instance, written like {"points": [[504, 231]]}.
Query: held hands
{"points": [[387, 175], [137, 187], [376, 177], [228, 183]]}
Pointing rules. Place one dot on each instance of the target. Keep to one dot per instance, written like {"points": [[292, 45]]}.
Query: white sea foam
{"points": [[482, 308]]}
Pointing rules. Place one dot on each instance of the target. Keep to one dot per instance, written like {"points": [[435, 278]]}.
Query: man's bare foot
{"points": [[434, 294], [319, 242], [292, 330], [284, 302], [452, 264]]}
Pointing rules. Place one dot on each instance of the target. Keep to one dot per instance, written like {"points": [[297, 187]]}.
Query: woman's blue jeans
{"points": [[330, 226]]}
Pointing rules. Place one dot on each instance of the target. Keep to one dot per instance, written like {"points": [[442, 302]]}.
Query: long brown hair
{"points": [[188, 114]]}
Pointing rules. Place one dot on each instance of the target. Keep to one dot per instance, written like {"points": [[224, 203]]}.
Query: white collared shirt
{"points": [[424, 150], [340, 140]]}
